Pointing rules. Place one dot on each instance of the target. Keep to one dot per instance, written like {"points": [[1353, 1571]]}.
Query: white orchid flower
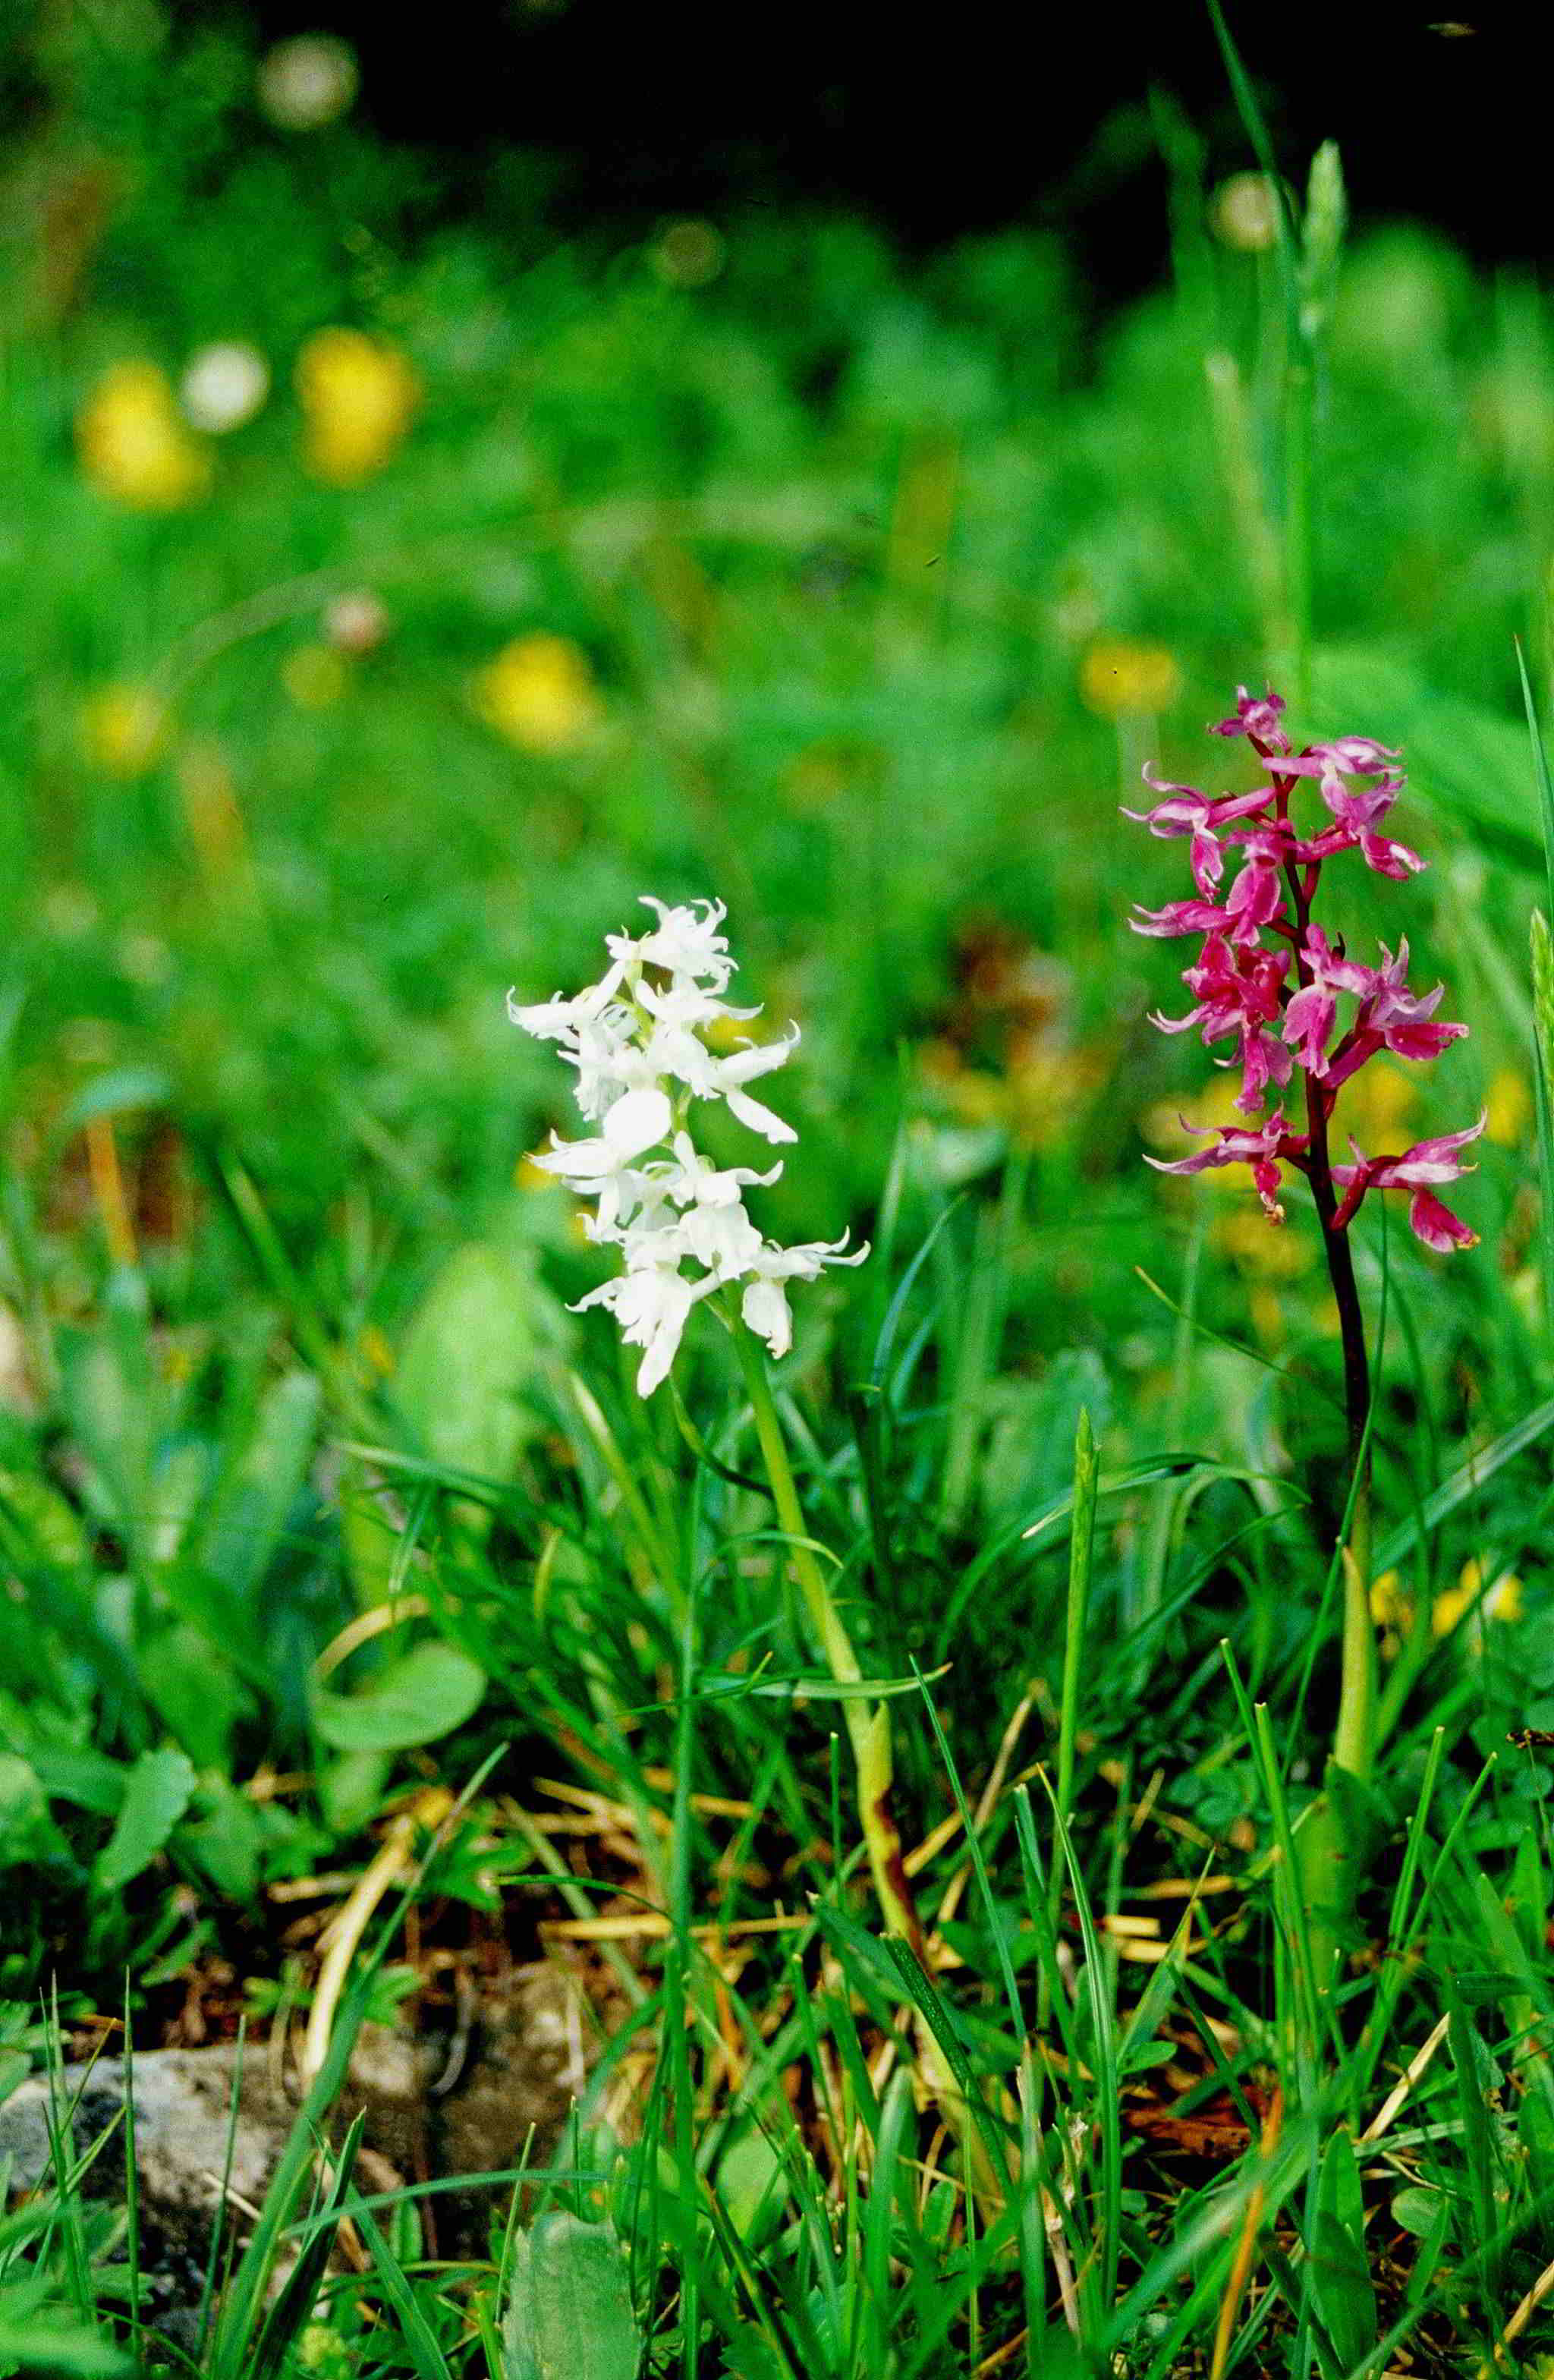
{"points": [[764, 1307], [650, 1305], [600, 1168], [554, 1019], [722, 1238], [682, 943], [640, 1055], [683, 1006], [677, 1051], [607, 1060], [698, 1181]]}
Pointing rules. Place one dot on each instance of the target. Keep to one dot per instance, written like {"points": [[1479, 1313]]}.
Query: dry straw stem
{"points": [[347, 1928], [1246, 2246], [1387, 2113]]}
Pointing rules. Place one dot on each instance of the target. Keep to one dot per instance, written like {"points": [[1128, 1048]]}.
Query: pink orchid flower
{"points": [[1420, 1169], [1238, 991], [1280, 1002], [1264, 1149], [1257, 717]]}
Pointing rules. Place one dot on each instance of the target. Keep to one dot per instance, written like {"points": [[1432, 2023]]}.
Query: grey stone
{"points": [[435, 2106]]}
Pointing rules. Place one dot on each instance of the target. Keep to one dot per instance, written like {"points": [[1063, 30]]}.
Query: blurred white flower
{"points": [[356, 622], [306, 81], [1244, 212], [224, 385], [636, 1043]]}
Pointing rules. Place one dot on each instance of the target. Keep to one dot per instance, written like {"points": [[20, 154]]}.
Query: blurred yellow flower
{"points": [[1243, 1233], [973, 1094], [1389, 1607], [358, 395], [133, 445], [377, 1354], [1212, 1105], [124, 730], [315, 675], [1500, 1600], [688, 253], [1510, 1103], [1048, 1089], [1392, 1607], [1038, 1097], [1376, 1105], [540, 693], [1119, 678]]}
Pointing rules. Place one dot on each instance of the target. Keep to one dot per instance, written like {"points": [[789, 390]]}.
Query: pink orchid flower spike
{"points": [[1304, 1015]]}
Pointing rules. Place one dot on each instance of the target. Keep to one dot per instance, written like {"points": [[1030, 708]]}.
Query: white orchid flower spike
{"points": [[636, 1042]]}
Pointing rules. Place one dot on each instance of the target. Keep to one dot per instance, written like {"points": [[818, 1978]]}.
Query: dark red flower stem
{"points": [[1318, 1170]]}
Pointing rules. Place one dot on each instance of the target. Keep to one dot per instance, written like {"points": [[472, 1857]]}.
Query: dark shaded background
{"points": [[956, 120]]}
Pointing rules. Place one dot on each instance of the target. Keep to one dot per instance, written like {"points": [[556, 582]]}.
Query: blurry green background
{"points": [[391, 598], [388, 607], [390, 602], [393, 593]]}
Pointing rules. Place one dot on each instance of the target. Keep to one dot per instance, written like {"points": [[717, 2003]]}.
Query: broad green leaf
{"points": [[53, 2343], [198, 1699], [749, 2355], [1534, 2130], [74, 1773], [471, 1352], [113, 1094], [1340, 2281], [254, 1502], [50, 1526], [569, 2313], [351, 1788], [1417, 2209], [114, 1411], [425, 1694], [226, 1841], [28, 1833], [157, 1793], [750, 2183]]}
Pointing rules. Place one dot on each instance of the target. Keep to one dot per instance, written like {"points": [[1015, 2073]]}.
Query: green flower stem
{"points": [[869, 1729], [869, 1726], [1355, 1735]]}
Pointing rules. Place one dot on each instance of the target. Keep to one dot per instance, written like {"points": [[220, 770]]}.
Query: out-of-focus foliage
{"points": [[392, 594]]}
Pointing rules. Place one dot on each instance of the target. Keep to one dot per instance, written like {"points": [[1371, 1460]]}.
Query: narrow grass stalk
{"points": [[132, 2172], [677, 1984], [1081, 1549], [1296, 1930], [1543, 1088], [1543, 985], [869, 1726], [868, 1730]]}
